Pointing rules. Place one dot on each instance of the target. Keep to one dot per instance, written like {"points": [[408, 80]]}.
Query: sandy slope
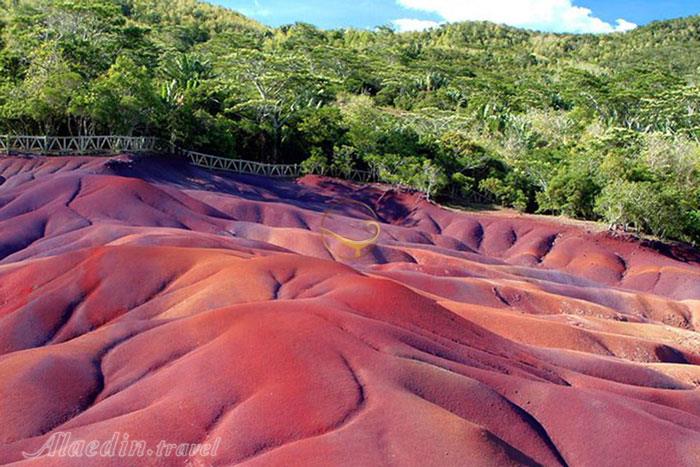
{"points": [[170, 303]]}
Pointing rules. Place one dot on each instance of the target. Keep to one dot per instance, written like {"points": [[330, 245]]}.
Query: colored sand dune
{"points": [[155, 299]]}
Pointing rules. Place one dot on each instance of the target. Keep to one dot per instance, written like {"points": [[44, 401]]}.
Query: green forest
{"points": [[599, 127]]}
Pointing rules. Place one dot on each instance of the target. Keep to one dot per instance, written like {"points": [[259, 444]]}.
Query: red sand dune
{"points": [[151, 298]]}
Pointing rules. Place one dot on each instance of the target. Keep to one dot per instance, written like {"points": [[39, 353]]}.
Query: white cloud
{"points": [[544, 15], [623, 26], [407, 24]]}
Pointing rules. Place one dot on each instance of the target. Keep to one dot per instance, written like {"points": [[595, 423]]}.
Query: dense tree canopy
{"points": [[593, 126]]}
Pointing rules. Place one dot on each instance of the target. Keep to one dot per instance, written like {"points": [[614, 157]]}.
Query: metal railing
{"points": [[109, 145], [362, 176], [79, 145], [243, 166]]}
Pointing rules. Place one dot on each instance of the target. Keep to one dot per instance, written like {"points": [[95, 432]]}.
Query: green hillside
{"points": [[599, 127]]}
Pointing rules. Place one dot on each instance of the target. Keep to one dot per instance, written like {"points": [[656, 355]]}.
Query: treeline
{"points": [[603, 127]]}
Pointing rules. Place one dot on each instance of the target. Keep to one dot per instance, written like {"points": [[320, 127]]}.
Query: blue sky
{"points": [[598, 16]]}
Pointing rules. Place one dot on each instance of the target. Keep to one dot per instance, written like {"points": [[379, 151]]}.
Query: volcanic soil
{"points": [[149, 297]]}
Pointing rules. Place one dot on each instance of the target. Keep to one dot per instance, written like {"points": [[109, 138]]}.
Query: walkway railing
{"points": [[243, 166], [270, 170], [362, 176], [64, 145], [109, 145]]}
